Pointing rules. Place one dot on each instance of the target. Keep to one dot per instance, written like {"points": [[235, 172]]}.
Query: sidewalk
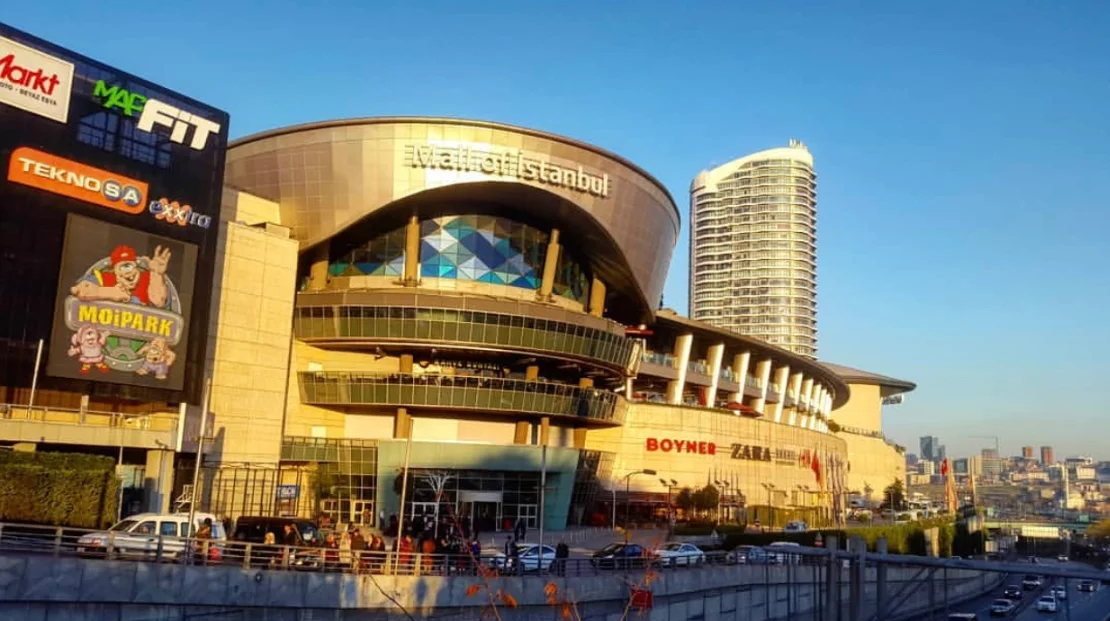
{"points": [[582, 541]]}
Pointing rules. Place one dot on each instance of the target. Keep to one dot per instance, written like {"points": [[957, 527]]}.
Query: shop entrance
{"points": [[484, 509]]}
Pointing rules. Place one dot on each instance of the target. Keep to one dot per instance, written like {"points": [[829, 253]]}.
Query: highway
{"points": [[1084, 606]]}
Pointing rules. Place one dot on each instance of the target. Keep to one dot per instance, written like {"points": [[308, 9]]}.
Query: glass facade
{"points": [[473, 493], [460, 326], [336, 478], [485, 249], [489, 394], [593, 468]]}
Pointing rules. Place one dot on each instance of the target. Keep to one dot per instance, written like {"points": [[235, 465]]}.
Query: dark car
{"points": [[253, 529], [1087, 586], [620, 556], [1012, 592], [1031, 582]]}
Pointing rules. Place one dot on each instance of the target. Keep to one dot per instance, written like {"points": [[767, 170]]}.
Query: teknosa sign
{"points": [[668, 445]]}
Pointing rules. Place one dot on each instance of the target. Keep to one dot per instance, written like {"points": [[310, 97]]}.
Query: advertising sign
{"points": [[122, 306], [109, 214]]}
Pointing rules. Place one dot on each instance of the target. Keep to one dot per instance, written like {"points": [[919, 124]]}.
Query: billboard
{"points": [[123, 303], [109, 212]]}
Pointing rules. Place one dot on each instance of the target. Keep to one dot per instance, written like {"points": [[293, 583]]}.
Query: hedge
{"points": [[902, 538], [59, 489]]}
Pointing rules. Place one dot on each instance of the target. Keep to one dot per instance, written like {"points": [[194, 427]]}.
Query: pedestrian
{"points": [[562, 551], [358, 549], [377, 553], [331, 553], [203, 540], [404, 553], [428, 549], [521, 529]]}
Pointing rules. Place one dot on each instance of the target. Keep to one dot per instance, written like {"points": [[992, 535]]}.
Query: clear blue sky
{"points": [[962, 148]]}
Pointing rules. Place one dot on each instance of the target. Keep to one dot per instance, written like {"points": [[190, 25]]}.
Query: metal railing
{"points": [[461, 392], [160, 421]]}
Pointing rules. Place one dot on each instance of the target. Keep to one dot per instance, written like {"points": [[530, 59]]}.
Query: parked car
{"points": [[1030, 582], [1046, 603], [530, 558], [1059, 592], [1086, 586], [138, 535], [1012, 592], [796, 526], [1033, 559], [1002, 607], [679, 553], [1063, 558], [620, 556], [252, 529], [777, 554], [963, 616], [747, 555]]}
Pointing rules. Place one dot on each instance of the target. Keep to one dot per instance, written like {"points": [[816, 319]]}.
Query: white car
{"points": [[777, 553], [797, 526], [530, 558], [1059, 591], [678, 553], [1002, 607], [137, 536], [1046, 603]]}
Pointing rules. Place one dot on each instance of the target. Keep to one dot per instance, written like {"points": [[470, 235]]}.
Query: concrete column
{"points": [[405, 364], [806, 404], [782, 374], [793, 390], [579, 437], [550, 264], [682, 347], [545, 430], [411, 274], [158, 483], [763, 372], [716, 355], [522, 432], [740, 370], [531, 372], [597, 298], [318, 269], [401, 424]]}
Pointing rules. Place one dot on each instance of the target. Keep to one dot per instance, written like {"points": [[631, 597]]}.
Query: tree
{"points": [[894, 496], [438, 482], [1099, 530], [685, 499], [707, 498]]}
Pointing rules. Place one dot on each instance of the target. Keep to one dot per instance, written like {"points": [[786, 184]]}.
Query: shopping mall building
{"points": [[477, 299]]}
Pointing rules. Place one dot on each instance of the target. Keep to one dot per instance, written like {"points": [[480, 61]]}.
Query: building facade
{"points": [[1048, 456], [753, 247]]}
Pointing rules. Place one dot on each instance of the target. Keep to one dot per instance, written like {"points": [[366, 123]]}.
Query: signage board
{"points": [[110, 194]]}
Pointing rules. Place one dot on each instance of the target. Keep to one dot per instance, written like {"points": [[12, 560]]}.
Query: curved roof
{"points": [[362, 176], [859, 376], [370, 120], [707, 180], [763, 349]]}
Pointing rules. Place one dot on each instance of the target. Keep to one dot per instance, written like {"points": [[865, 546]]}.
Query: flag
{"points": [[815, 464], [950, 495]]}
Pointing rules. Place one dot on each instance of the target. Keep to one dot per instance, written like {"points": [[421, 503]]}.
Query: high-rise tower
{"points": [[753, 247]]}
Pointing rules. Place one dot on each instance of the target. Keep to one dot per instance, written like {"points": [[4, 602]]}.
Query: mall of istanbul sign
{"points": [[512, 163]]}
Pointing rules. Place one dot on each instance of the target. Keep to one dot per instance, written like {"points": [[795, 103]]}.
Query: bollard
{"points": [[110, 550], [158, 551], [832, 580], [58, 541], [247, 556], [881, 547]]}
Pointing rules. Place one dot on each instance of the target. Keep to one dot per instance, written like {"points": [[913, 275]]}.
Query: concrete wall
{"points": [[49, 589]]}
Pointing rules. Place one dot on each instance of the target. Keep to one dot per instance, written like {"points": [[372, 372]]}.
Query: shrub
{"points": [[60, 489]]}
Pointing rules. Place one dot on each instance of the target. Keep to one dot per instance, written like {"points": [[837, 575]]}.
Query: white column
{"points": [[804, 398], [682, 347], [781, 375], [716, 354], [763, 372], [740, 370], [795, 392]]}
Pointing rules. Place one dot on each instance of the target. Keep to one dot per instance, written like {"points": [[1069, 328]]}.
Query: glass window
{"points": [[168, 529]]}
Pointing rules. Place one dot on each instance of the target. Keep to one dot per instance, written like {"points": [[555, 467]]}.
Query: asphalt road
{"points": [[1084, 606]]}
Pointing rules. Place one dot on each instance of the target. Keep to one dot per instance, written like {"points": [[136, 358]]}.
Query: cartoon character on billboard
{"points": [[126, 314]]}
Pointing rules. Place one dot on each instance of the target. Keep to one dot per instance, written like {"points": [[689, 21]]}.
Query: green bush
{"points": [[60, 489], [904, 538]]}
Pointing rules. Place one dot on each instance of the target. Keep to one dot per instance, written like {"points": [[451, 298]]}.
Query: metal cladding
{"points": [[330, 176]]}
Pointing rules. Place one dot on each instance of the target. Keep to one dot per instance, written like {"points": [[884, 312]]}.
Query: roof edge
{"points": [[446, 120], [858, 376]]}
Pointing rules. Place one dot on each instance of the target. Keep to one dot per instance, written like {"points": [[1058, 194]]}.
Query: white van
{"points": [[137, 536]]}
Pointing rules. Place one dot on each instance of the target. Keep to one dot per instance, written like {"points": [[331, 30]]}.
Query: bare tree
{"points": [[438, 482]]}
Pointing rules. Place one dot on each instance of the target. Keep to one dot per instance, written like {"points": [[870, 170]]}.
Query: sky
{"points": [[962, 151]]}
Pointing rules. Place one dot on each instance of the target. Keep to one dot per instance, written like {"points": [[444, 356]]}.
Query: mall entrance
{"points": [[482, 500]]}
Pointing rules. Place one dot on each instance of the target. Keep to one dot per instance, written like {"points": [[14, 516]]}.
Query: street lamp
{"points": [[670, 485], [626, 478], [722, 485], [770, 487]]}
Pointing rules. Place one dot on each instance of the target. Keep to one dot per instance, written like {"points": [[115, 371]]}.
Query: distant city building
{"points": [[960, 466], [989, 453], [911, 459], [941, 453], [1027, 452], [1047, 455], [753, 247], [975, 466], [1085, 473], [992, 466], [929, 446], [928, 467]]}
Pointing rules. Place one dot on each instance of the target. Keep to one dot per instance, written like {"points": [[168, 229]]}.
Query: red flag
{"points": [[815, 463], [944, 467]]}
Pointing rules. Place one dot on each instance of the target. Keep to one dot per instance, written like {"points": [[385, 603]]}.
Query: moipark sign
{"points": [[513, 164]]}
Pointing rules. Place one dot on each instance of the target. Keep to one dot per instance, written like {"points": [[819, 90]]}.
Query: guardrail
{"points": [[162, 421]]}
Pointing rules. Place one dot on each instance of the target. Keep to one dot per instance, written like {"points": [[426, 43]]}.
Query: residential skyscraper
{"points": [[753, 247], [1048, 456], [929, 448], [1027, 452]]}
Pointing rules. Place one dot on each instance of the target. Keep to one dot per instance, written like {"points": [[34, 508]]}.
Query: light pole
{"points": [[770, 487], [670, 508], [722, 487], [626, 478]]}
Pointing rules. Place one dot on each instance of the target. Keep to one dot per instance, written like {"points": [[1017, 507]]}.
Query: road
{"points": [[1084, 606]]}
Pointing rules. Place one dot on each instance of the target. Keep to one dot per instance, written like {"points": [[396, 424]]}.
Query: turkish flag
{"points": [[944, 467]]}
